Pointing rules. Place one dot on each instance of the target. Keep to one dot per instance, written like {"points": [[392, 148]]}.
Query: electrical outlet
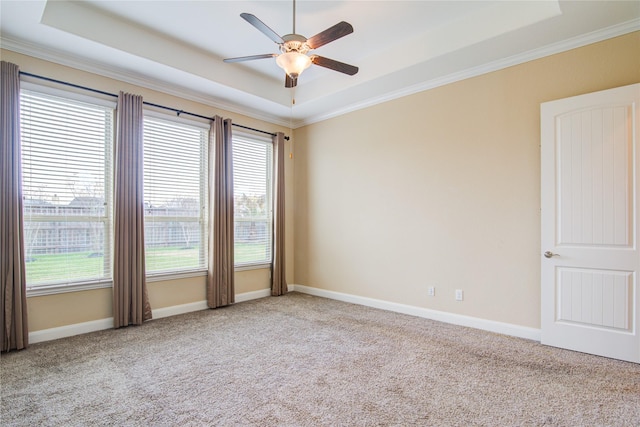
{"points": [[459, 295], [431, 291]]}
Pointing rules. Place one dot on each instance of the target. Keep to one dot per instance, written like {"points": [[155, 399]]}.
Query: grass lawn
{"points": [[60, 267], [84, 265]]}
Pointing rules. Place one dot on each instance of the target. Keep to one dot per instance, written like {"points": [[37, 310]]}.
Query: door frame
{"points": [[602, 340]]}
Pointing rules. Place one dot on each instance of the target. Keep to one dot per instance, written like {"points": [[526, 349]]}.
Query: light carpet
{"points": [[300, 360]]}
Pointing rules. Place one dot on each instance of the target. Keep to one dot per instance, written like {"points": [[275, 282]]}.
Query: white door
{"points": [[590, 223]]}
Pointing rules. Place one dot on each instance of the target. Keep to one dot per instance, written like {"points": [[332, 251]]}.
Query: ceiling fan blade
{"points": [[341, 29], [289, 82], [251, 19], [251, 57], [334, 65]]}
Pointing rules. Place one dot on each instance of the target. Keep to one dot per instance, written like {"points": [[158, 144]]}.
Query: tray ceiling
{"points": [[401, 47]]}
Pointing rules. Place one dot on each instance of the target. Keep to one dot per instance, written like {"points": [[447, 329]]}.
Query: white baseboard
{"points": [[247, 296], [174, 310], [456, 319], [159, 313], [70, 330], [441, 316]]}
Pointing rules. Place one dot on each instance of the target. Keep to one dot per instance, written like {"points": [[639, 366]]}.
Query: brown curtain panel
{"points": [[220, 277], [278, 274], [130, 298], [13, 284]]}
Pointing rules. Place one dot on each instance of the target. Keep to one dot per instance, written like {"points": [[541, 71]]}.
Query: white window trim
{"points": [[258, 137], [150, 111], [163, 115], [96, 99]]}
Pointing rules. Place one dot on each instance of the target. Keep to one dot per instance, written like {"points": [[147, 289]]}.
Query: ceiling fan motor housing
{"points": [[294, 43]]}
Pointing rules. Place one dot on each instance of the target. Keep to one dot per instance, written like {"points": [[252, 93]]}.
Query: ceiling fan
{"points": [[293, 58]]}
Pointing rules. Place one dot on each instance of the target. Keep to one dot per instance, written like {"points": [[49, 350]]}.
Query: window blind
{"points": [[252, 180], [175, 185], [66, 165]]}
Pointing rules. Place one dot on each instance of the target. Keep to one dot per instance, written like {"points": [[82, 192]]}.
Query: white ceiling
{"points": [[401, 47]]}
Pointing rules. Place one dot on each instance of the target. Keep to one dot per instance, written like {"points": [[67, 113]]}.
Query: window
{"points": [[66, 162], [252, 177], [175, 195]]}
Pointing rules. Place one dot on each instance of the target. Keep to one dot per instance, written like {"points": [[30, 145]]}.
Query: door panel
{"points": [[595, 182], [590, 259], [595, 298]]}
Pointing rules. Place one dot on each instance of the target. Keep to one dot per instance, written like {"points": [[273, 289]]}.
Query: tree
{"points": [[186, 208], [89, 201]]}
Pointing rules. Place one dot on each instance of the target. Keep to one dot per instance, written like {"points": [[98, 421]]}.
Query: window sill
{"points": [[66, 287], [252, 267], [174, 275], [159, 277]]}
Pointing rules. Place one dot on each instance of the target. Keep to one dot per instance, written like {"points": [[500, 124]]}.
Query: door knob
{"points": [[549, 254]]}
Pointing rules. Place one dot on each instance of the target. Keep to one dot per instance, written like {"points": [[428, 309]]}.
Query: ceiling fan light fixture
{"points": [[293, 58], [293, 63]]}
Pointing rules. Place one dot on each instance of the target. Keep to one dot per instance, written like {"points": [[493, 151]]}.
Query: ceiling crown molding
{"points": [[573, 43], [106, 70]]}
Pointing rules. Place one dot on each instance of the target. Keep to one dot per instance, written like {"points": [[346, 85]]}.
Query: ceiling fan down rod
{"points": [[294, 16]]}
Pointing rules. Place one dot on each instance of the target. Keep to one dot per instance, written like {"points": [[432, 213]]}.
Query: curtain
{"points": [[278, 269], [220, 276], [15, 331], [130, 298]]}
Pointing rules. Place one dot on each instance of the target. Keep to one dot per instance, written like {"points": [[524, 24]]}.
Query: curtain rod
{"points": [[151, 104]]}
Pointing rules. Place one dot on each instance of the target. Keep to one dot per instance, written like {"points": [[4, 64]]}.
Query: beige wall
{"points": [[441, 188], [77, 307], [69, 308]]}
